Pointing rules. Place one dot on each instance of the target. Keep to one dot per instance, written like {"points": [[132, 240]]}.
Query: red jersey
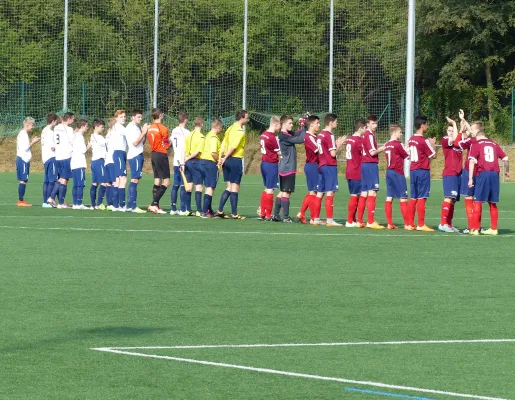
{"points": [[487, 154], [326, 143], [465, 144], [353, 155], [269, 147], [453, 157], [369, 144], [310, 143], [157, 136], [395, 154], [420, 152]]}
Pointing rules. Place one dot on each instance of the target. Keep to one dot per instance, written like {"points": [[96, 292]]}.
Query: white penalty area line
{"points": [[123, 350]]}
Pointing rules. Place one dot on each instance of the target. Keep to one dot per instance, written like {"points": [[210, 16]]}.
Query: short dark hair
{"points": [[52, 117], [420, 120], [359, 124], [137, 111], [183, 116], [372, 118], [330, 118], [285, 118], [98, 122], [68, 115], [311, 119], [156, 113], [240, 114], [82, 123]]}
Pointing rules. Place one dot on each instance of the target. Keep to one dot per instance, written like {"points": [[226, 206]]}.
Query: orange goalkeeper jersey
{"points": [[158, 138]]}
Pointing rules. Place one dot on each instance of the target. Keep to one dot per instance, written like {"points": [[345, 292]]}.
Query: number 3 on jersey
{"points": [[263, 148]]}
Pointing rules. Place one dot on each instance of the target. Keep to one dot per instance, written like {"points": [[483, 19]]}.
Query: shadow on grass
{"points": [[98, 334]]}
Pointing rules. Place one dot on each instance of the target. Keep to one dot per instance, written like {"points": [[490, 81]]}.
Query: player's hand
{"points": [[462, 115], [432, 141], [35, 139], [507, 174], [471, 184], [144, 129], [450, 120]]}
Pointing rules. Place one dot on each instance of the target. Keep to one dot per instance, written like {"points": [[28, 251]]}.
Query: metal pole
{"points": [[245, 36], [331, 57], [156, 41], [83, 100], [389, 107], [65, 64], [410, 78], [22, 100], [210, 103], [512, 114]]}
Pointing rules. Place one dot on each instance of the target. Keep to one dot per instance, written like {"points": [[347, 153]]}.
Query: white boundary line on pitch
{"points": [[248, 233], [122, 350]]}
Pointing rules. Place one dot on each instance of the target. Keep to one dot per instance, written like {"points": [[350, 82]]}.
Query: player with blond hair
{"points": [[23, 157]]}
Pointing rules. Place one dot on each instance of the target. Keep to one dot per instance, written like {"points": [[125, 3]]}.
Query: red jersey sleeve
{"points": [[428, 150], [310, 143], [369, 143], [474, 152], [501, 153], [446, 142]]}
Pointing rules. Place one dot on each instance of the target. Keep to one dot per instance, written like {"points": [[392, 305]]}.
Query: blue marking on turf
{"points": [[402, 396]]}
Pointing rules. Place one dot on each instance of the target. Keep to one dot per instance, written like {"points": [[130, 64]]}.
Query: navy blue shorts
{"points": [[22, 169], [329, 179], [192, 172], [109, 169], [98, 171], [136, 166], [79, 177], [354, 186], [451, 186], [487, 186], [64, 169], [420, 182], [270, 174], [369, 177], [120, 163], [234, 167], [464, 186], [396, 185], [177, 177], [50, 171], [209, 171], [312, 176]]}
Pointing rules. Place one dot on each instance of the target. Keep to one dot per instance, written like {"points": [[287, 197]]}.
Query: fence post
{"points": [[245, 49], [210, 103], [389, 107], [65, 62], [512, 114], [83, 100], [331, 55], [410, 77], [22, 100], [156, 41]]}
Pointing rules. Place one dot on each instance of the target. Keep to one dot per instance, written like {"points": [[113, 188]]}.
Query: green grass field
{"points": [[77, 280]]}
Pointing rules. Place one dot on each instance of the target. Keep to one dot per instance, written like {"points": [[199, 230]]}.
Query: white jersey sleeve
{"points": [[98, 147], [79, 152], [178, 136], [23, 146], [133, 132], [110, 150], [47, 144]]}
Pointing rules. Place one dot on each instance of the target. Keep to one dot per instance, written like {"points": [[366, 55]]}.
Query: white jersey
{"points": [[118, 137], [63, 137], [110, 149], [23, 146], [47, 144], [98, 147], [79, 152], [178, 136], [133, 132]]}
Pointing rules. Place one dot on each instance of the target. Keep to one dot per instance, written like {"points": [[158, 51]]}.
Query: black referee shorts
{"points": [[287, 183], [160, 165]]}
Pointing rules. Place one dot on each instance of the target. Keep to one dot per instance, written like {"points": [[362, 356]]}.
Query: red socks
{"points": [[262, 203], [421, 210], [352, 208], [305, 204], [451, 215], [371, 208], [361, 208], [389, 212], [469, 209], [494, 215], [444, 215], [405, 212], [476, 215], [329, 206], [412, 209], [269, 205], [317, 206]]}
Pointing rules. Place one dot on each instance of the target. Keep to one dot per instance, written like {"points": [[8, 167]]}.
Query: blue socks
{"points": [[21, 191], [183, 199], [62, 193], [133, 194], [121, 197], [207, 203], [74, 196], [173, 197], [45, 191], [223, 200], [187, 201], [93, 195], [198, 200], [54, 190], [234, 203], [101, 194], [114, 196]]}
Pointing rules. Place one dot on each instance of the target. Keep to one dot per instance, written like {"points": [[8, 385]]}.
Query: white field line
{"points": [[247, 233], [300, 375]]}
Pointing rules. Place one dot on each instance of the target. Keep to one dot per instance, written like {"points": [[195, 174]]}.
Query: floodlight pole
{"points": [[245, 44], [156, 43], [331, 56], [65, 63], [410, 79]]}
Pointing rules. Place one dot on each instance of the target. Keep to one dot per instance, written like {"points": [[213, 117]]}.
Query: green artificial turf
{"points": [[76, 280]]}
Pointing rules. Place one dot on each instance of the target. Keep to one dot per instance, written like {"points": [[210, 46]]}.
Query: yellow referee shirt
{"points": [[235, 138], [193, 142], [211, 145]]}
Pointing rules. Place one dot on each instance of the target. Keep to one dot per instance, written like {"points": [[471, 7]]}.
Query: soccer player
{"points": [[78, 165], [158, 139], [287, 168], [310, 168], [109, 165], [23, 157], [328, 147], [135, 139], [232, 162], [396, 187], [369, 175], [269, 167], [451, 176], [421, 152], [120, 160], [486, 154], [99, 174], [178, 135], [63, 139], [193, 148], [48, 158], [208, 166], [353, 155]]}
